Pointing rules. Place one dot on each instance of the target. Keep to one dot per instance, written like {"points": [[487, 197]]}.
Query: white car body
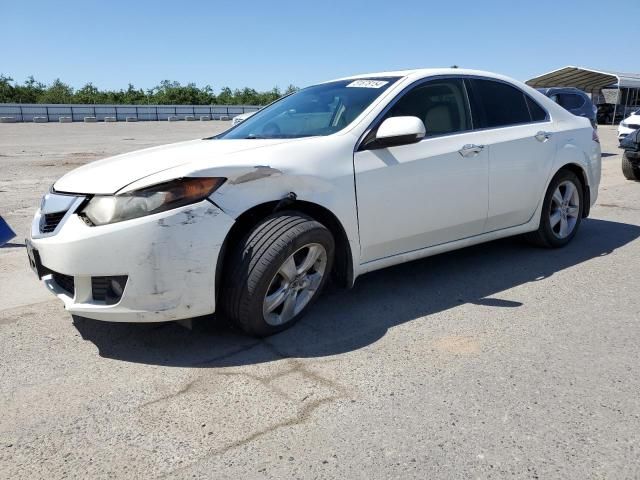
{"points": [[629, 125], [238, 119], [391, 206]]}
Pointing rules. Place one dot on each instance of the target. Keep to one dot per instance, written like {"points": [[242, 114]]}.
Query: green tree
{"points": [[58, 92], [88, 94], [167, 92], [206, 96], [173, 93], [225, 97], [291, 89], [30, 91], [6, 89], [270, 96], [134, 95]]}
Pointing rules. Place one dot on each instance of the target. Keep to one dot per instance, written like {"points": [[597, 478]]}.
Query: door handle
{"points": [[470, 150], [543, 136]]}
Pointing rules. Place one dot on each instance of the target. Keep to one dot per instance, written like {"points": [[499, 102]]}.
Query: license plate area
{"points": [[34, 259]]}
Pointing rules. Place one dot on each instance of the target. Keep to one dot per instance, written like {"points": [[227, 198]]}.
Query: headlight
{"points": [[623, 124], [104, 209]]}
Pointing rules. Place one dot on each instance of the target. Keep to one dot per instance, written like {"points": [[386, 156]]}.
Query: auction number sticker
{"points": [[367, 83]]}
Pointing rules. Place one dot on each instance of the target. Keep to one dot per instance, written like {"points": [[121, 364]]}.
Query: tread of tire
{"points": [[281, 229], [259, 239], [628, 170]]}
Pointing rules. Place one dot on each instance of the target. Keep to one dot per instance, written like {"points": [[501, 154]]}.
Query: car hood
{"points": [[634, 119], [111, 174]]}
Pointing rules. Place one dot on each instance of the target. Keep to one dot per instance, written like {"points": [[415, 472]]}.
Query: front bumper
{"points": [[624, 131], [169, 258]]}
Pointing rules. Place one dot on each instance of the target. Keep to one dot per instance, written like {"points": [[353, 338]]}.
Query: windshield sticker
{"points": [[368, 83]]}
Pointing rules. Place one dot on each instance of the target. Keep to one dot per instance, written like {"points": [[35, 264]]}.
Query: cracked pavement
{"points": [[493, 361]]}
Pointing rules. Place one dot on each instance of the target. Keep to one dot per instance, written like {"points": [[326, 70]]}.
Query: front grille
{"points": [[50, 221], [65, 282], [633, 125]]}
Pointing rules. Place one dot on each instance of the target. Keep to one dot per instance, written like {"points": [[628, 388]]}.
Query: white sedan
{"points": [[629, 125], [336, 180]]}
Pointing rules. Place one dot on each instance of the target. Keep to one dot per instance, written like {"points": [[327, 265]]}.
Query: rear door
{"points": [[519, 136]]}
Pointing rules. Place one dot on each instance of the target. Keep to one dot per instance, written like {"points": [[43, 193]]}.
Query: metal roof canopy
{"points": [[586, 79]]}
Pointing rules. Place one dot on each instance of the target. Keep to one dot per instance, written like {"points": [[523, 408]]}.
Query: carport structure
{"points": [[627, 85]]}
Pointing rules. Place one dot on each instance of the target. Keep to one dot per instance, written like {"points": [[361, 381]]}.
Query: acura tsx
{"points": [[336, 180]]}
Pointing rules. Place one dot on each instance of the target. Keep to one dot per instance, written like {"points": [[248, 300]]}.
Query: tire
{"points": [[550, 233], [259, 273], [629, 171]]}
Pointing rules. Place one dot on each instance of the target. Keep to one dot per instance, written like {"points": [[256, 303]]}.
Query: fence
{"points": [[22, 112]]}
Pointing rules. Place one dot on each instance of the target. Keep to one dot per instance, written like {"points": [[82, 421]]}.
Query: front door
{"points": [[427, 193]]}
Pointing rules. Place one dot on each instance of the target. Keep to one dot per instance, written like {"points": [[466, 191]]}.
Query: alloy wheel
{"points": [[294, 284], [565, 208]]}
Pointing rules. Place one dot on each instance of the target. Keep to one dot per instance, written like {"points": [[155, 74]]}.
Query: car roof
{"points": [[426, 72], [419, 73]]}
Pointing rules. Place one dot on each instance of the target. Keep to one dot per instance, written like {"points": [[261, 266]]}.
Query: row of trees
{"points": [[167, 93]]}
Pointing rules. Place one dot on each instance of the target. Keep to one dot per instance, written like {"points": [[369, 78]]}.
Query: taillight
{"points": [[594, 136]]}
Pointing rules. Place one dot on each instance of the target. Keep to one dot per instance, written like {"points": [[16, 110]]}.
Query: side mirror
{"points": [[396, 131]]}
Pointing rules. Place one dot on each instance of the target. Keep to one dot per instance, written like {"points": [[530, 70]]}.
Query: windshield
{"points": [[318, 110]]}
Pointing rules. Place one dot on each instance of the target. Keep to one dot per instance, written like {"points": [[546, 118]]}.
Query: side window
{"points": [[570, 100], [496, 104], [441, 104], [537, 112]]}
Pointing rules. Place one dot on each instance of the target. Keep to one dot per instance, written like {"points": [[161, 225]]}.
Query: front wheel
{"points": [[276, 273], [561, 211]]}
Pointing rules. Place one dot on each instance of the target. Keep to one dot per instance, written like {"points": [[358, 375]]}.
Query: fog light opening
{"points": [[116, 287], [108, 289]]}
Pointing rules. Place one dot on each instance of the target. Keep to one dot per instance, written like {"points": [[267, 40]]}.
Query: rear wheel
{"points": [[276, 273], [561, 211], [629, 171]]}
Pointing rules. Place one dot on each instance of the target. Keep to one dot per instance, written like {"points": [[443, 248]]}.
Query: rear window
{"points": [[497, 104]]}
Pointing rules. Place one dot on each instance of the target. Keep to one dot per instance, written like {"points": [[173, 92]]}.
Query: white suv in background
{"points": [[336, 180], [629, 125]]}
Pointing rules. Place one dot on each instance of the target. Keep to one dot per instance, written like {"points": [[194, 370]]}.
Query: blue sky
{"points": [[277, 42]]}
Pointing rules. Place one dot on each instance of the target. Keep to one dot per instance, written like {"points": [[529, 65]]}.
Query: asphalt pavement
{"points": [[499, 360]]}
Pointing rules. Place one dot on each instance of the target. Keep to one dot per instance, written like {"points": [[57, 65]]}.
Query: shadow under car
{"points": [[346, 320]]}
